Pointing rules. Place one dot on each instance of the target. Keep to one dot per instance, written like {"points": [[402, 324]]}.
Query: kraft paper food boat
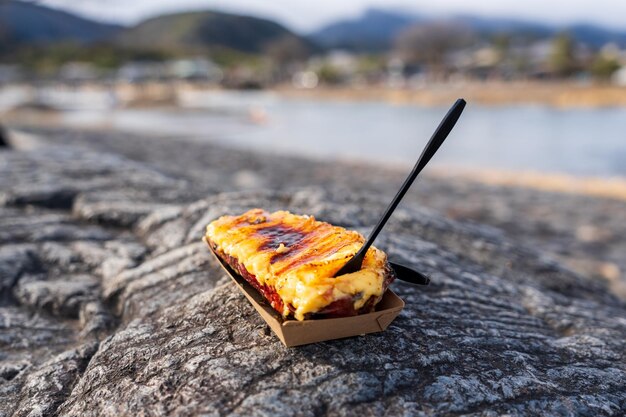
{"points": [[295, 333]]}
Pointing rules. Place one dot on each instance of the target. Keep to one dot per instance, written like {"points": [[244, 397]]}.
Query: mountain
{"points": [[209, 29], [495, 25], [596, 35], [373, 31], [589, 34], [24, 22], [376, 30]]}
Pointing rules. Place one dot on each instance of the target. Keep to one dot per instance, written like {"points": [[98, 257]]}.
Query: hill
{"points": [[209, 29], [373, 31], [376, 30], [25, 23], [28, 23]]}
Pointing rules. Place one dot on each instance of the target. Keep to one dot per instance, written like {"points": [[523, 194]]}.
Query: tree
{"points": [[287, 50], [502, 44], [603, 67], [430, 44], [562, 60]]}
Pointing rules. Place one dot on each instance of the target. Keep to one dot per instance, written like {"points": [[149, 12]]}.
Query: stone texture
{"points": [[480, 339], [61, 297], [111, 305], [52, 314], [586, 234], [45, 388]]}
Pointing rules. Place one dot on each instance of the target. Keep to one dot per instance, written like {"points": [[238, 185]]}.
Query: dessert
{"points": [[292, 259]]}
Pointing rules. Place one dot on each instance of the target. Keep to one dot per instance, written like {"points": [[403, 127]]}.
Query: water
{"points": [[576, 141], [590, 142]]}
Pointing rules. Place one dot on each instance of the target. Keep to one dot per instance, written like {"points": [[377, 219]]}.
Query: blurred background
{"points": [[356, 81], [546, 83]]}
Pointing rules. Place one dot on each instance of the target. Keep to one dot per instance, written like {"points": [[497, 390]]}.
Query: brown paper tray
{"points": [[295, 333]]}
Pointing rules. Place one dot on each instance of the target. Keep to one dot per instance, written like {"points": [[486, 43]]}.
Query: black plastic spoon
{"points": [[444, 128]]}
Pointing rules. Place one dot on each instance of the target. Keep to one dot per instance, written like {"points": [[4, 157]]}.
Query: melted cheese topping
{"points": [[298, 256]]}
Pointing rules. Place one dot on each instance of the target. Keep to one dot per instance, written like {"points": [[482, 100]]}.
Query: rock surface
{"points": [[111, 305], [586, 234]]}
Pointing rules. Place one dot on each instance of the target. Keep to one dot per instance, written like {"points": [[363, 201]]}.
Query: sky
{"points": [[307, 15]]}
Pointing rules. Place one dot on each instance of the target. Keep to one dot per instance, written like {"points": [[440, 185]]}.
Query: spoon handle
{"points": [[431, 148]]}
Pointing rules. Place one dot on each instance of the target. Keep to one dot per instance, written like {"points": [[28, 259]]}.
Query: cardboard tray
{"points": [[296, 333]]}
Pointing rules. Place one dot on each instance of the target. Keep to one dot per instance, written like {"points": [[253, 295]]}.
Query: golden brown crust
{"points": [[297, 257], [343, 307]]}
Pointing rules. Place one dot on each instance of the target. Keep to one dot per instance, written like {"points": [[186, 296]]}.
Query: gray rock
{"points": [[111, 305], [587, 234], [95, 320], [117, 209], [62, 297], [52, 177], [472, 342], [52, 263], [15, 260], [45, 388]]}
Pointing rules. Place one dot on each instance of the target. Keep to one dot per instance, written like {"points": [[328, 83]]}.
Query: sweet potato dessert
{"points": [[291, 260]]}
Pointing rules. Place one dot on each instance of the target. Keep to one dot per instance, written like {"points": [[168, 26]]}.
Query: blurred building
{"points": [[194, 69], [77, 72], [142, 71]]}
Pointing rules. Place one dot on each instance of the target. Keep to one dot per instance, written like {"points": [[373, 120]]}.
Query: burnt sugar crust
{"points": [[291, 260], [343, 307]]}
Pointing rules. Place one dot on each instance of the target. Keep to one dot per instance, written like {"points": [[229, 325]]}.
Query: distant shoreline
{"points": [[492, 93], [609, 187], [555, 94]]}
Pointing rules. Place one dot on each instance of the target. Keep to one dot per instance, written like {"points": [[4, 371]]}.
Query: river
{"points": [[585, 141]]}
